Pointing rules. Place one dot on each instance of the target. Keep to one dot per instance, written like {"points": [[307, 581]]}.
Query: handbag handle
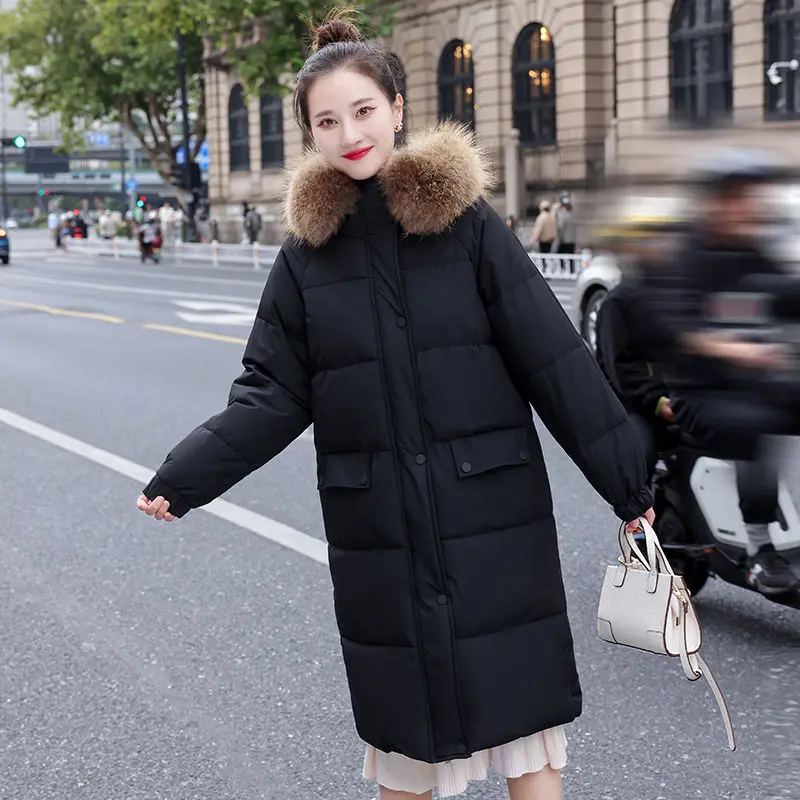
{"points": [[655, 554]]}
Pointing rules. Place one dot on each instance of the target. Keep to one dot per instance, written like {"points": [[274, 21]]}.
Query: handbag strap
{"points": [[694, 667]]}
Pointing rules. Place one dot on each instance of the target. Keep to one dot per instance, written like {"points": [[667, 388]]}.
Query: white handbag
{"points": [[645, 605]]}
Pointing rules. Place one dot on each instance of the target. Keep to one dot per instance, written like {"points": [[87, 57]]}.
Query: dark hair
{"points": [[338, 44]]}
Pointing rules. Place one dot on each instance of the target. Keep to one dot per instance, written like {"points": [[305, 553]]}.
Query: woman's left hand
{"points": [[634, 525]]}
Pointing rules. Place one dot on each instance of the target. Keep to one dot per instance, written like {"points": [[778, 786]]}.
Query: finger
{"points": [[155, 506], [142, 503], [163, 510], [169, 517]]}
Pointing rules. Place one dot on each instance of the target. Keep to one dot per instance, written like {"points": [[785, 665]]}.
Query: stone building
{"points": [[565, 93]]}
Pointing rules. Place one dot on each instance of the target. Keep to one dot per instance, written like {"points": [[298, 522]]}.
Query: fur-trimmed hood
{"points": [[427, 184]]}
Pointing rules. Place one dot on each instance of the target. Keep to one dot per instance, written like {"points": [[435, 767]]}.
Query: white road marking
{"points": [[148, 273], [128, 289], [232, 313], [262, 526]]}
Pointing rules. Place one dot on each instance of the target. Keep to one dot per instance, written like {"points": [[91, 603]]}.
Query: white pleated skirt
{"points": [[512, 760]]}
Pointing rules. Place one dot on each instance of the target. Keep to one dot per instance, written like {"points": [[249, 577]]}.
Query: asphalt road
{"points": [[142, 661]]}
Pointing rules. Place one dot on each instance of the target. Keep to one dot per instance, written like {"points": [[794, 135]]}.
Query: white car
{"points": [[591, 287]]}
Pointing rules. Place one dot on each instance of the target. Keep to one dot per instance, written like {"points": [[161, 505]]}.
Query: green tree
{"points": [[116, 60], [78, 60]]}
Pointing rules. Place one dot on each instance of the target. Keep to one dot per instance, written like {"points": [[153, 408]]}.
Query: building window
{"points": [[271, 131], [533, 73], [238, 131], [782, 43], [456, 82], [701, 61]]}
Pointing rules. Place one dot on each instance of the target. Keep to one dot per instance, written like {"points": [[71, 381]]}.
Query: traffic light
{"points": [[44, 192], [20, 142], [177, 176], [141, 201]]}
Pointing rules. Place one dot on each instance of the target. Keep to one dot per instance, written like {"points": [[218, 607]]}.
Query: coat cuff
{"points": [[178, 506], [635, 507]]}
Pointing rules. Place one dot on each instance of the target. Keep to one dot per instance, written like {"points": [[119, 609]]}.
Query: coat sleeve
{"points": [[557, 373], [268, 405]]}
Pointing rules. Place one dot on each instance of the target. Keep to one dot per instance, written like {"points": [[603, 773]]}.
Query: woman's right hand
{"points": [[158, 508]]}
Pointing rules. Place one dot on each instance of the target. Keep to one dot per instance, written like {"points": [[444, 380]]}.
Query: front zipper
{"points": [[429, 481], [396, 456]]}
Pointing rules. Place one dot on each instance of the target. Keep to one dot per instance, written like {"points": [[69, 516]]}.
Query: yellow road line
{"points": [[199, 334], [63, 312]]}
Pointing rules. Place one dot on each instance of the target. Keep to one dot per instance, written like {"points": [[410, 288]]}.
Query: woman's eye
{"points": [[364, 110], [323, 123]]}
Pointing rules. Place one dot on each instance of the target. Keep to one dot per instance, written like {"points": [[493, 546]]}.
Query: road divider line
{"points": [[219, 337], [24, 277], [262, 526], [63, 312]]}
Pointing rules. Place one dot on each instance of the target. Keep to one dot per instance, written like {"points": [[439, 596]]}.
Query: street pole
{"points": [[122, 192], [187, 163], [2, 146], [132, 167]]}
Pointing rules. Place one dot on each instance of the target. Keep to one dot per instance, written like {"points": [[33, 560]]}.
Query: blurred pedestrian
{"points": [[545, 228]]}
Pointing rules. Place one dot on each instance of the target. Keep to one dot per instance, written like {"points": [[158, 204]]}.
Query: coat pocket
{"points": [[474, 455], [344, 471]]}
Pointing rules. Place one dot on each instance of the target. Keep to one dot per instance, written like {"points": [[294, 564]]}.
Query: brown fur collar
{"points": [[427, 183]]}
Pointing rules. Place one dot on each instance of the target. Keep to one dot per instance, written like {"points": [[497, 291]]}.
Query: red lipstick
{"points": [[354, 155]]}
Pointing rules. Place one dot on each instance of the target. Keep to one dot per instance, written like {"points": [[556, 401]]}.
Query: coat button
{"points": [[442, 599], [401, 322], [462, 748], [523, 454], [420, 459], [466, 467]]}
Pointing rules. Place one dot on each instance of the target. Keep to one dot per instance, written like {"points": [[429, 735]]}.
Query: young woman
{"points": [[405, 321]]}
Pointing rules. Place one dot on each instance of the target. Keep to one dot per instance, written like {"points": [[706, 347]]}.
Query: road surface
{"points": [[200, 659]]}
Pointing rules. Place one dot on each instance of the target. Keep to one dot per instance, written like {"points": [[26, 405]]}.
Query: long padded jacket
{"points": [[405, 321]]}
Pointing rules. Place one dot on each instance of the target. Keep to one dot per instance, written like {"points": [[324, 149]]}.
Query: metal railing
{"points": [[259, 256]]}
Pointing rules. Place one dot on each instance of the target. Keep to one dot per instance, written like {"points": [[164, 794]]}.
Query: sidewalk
{"points": [[258, 256]]}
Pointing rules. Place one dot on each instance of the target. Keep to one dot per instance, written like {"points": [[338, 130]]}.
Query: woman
{"points": [[544, 229], [405, 321]]}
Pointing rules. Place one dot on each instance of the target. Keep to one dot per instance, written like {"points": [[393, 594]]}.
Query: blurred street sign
{"points": [[131, 185], [97, 138], [202, 156]]}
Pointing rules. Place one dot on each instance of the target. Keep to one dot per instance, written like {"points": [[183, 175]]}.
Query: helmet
{"points": [[738, 165], [639, 217]]}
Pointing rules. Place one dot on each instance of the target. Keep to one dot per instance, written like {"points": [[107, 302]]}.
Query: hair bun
{"points": [[338, 26]]}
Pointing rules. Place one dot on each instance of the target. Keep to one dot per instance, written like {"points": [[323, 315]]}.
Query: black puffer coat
{"points": [[404, 319]]}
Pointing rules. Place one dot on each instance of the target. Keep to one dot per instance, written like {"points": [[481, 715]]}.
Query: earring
{"points": [[398, 126]]}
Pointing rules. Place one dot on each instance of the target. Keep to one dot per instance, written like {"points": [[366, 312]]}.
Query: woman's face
{"points": [[352, 122]]}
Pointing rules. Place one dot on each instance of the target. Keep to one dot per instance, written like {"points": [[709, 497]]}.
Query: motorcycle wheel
{"points": [[670, 529]]}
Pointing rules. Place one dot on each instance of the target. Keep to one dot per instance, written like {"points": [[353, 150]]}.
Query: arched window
{"points": [[701, 60], [456, 82], [271, 131], [238, 131], [533, 74], [782, 43]]}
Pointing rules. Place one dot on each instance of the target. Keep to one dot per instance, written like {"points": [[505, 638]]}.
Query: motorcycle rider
{"points": [[720, 389], [643, 236]]}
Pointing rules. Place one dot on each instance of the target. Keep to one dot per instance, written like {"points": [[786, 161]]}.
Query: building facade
{"points": [[564, 93]]}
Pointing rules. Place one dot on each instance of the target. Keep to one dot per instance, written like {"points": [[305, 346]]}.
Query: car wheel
{"points": [[589, 317], [5, 259]]}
